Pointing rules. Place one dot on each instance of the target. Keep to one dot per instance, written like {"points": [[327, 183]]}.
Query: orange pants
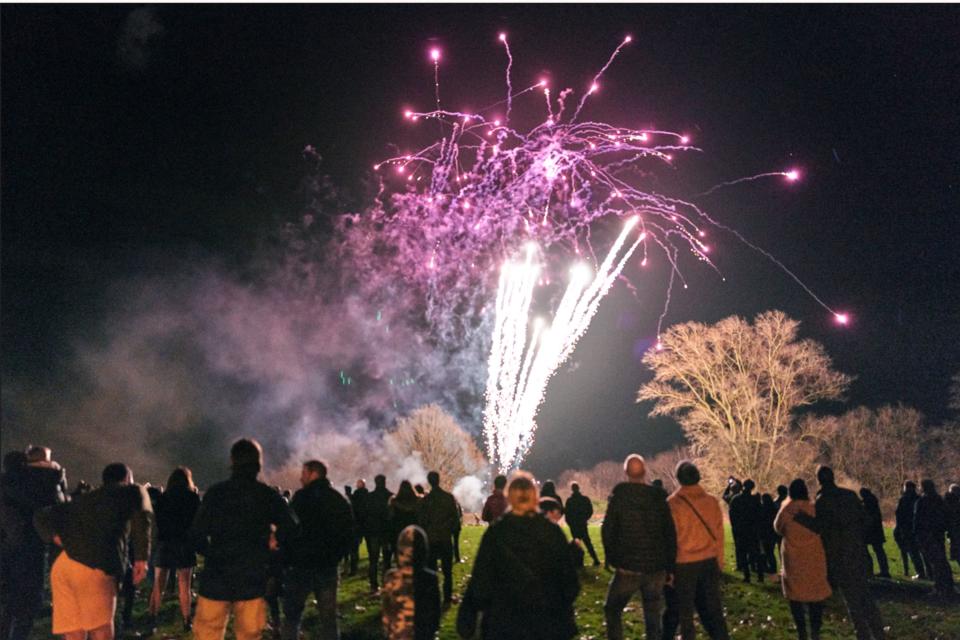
{"points": [[210, 619]]}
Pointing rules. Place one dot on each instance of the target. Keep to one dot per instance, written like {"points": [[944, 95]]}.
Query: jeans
{"points": [[298, 583], [444, 554], [210, 619], [881, 559], [798, 611], [910, 551], [21, 591], [749, 556], [938, 567], [696, 587], [861, 607], [622, 588]]}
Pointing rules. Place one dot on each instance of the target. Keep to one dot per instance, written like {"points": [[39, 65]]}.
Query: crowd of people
{"points": [[265, 551]]}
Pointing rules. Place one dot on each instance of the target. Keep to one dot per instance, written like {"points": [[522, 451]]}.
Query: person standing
{"points": [[579, 511], [522, 580], [457, 528], [903, 531], [803, 563], [175, 509], [640, 543], [496, 503], [437, 515], [411, 593], [840, 521], [377, 531], [357, 504], [929, 528], [326, 537], [746, 521], [549, 490], [768, 537], [698, 521], [951, 501], [93, 531], [874, 535], [232, 530]]}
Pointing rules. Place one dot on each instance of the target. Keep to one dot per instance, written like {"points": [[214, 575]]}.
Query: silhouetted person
{"points": [[410, 608], [640, 543], [732, 490], [782, 493], [840, 521], [23, 552], [929, 528], [874, 535], [358, 503], [175, 510], [549, 490], [803, 563], [768, 537], [377, 531], [94, 531], [439, 517], [698, 521], [232, 530], [496, 503], [403, 511], [522, 581], [578, 512], [326, 536], [551, 510], [951, 501], [903, 531], [746, 523]]}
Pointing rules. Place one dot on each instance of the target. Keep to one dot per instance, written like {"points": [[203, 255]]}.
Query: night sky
{"points": [[136, 137]]}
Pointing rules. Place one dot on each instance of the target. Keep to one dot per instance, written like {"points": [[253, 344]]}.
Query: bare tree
{"points": [[597, 482], [440, 444], [664, 465], [734, 388], [880, 449]]}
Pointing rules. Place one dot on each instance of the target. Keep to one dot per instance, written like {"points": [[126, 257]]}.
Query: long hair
{"points": [[181, 478]]}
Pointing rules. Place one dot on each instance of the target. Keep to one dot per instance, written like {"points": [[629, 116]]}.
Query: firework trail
{"points": [[518, 371], [793, 175], [450, 213]]}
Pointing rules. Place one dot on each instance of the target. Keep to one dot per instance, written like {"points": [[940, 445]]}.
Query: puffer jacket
{"points": [[638, 531]]}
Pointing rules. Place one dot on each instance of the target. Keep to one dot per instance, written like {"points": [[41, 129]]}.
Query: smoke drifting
{"points": [[300, 349]]}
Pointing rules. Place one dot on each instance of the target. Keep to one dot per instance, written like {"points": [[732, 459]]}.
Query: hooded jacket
{"points": [[638, 531], [411, 592]]}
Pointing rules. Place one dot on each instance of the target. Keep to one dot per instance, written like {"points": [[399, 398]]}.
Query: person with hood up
{"points": [[803, 562], [411, 592]]}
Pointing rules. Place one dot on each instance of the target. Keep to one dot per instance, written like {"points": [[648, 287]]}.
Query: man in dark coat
{"points": [[326, 536], [232, 530], [747, 524], [640, 543], [840, 521], [579, 510], [358, 504], [903, 531], [929, 528], [874, 535], [376, 523], [438, 516]]}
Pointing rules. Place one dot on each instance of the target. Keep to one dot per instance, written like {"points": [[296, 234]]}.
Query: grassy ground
{"points": [[754, 612]]}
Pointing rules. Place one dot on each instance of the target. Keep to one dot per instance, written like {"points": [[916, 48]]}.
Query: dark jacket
{"points": [[638, 531], [494, 507], [25, 491], [326, 527], [840, 521], [903, 531], [746, 517], [929, 518], [95, 527], [358, 502], [232, 532], [403, 513], [579, 510], [376, 512], [439, 517], [951, 502], [522, 581], [874, 529], [175, 510]]}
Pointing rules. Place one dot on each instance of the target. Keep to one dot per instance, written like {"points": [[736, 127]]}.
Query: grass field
{"points": [[754, 612]]}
